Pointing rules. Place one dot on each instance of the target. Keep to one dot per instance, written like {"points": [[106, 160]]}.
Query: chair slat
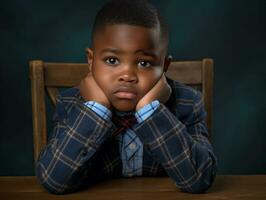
{"points": [[187, 72], [64, 74]]}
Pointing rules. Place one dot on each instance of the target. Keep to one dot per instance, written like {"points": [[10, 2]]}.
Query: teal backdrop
{"points": [[231, 32]]}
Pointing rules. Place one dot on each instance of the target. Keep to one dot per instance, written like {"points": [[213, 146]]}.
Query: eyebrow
{"points": [[112, 50], [147, 53], [117, 51]]}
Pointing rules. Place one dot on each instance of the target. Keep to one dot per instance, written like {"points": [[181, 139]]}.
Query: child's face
{"points": [[126, 62]]}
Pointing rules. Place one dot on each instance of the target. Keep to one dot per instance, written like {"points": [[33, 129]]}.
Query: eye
{"points": [[112, 61], [144, 64]]}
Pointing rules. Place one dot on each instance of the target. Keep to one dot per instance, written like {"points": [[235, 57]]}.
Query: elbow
{"points": [[200, 186], [201, 183], [52, 190], [46, 184], [49, 183], [203, 179]]}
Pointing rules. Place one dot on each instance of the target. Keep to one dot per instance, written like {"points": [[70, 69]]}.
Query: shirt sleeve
{"points": [[146, 111], [66, 162], [100, 109], [182, 148]]}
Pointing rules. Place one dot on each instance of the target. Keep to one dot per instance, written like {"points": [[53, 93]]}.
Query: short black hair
{"points": [[131, 12]]}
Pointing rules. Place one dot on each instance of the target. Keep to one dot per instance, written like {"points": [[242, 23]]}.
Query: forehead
{"points": [[128, 38]]}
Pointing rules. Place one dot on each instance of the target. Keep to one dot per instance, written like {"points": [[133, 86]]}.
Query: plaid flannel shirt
{"points": [[131, 148], [82, 151]]}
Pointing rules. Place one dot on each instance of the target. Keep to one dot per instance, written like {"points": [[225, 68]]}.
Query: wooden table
{"points": [[251, 187]]}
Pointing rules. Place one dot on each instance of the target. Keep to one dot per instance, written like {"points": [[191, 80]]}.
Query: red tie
{"points": [[123, 123]]}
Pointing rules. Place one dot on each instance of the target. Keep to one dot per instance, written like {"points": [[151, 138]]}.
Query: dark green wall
{"points": [[231, 32]]}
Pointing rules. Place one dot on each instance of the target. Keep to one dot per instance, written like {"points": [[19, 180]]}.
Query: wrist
{"points": [[100, 109], [141, 105], [107, 105], [146, 111], [103, 103]]}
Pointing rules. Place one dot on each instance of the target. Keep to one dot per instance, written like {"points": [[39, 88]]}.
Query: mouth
{"points": [[125, 93]]}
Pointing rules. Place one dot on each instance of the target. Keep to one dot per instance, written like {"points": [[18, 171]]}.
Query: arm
{"points": [[69, 155], [182, 149]]}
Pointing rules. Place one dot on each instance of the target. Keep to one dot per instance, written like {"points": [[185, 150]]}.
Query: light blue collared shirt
{"points": [[131, 148]]}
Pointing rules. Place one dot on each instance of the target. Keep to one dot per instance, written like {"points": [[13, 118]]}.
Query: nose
{"points": [[128, 75]]}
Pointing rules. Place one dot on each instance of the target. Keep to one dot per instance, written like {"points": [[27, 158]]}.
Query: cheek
{"points": [[147, 81], [102, 77]]}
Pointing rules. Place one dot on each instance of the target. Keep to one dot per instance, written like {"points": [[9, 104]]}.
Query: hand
{"points": [[161, 91], [90, 91]]}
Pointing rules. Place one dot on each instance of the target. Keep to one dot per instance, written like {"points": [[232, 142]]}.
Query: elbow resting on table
{"points": [[201, 184], [53, 190], [198, 187], [49, 183]]}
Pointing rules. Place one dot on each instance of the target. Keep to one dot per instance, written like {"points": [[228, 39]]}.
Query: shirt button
{"points": [[132, 146], [84, 152]]}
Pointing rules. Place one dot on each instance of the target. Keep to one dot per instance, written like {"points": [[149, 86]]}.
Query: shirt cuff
{"points": [[146, 111], [99, 109]]}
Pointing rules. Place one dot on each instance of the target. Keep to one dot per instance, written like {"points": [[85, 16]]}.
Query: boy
{"points": [[125, 118]]}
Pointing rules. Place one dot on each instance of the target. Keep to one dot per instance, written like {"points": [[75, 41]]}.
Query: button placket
{"points": [[84, 152]]}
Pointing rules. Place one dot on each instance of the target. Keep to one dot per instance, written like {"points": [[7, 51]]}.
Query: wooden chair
{"points": [[48, 77]]}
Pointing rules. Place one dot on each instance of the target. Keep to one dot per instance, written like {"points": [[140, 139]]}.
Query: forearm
{"points": [[72, 149], [190, 162]]}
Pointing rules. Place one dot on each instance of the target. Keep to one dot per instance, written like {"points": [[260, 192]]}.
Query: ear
{"points": [[89, 53], [167, 61]]}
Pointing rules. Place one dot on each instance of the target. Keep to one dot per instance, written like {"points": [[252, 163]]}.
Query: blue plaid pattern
{"points": [[146, 111], [131, 148], [175, 142], [101, 110]]}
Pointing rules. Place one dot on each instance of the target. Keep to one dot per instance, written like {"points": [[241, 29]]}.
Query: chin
{"points": [[124, 106]]}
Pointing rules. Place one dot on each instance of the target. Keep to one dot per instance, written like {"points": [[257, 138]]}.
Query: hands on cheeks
{"points": [[161, 91], [90, 91]]}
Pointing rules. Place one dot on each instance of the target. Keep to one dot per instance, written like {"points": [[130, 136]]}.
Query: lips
{"points": [[125, 93]]}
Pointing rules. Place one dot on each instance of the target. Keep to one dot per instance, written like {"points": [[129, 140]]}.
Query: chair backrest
{"points": [[47, 77]]}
